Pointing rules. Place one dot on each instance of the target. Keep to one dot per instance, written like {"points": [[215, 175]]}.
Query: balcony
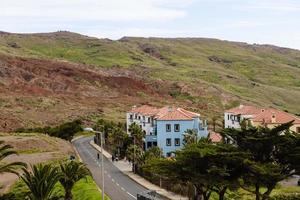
{"points": [[151, 138]]}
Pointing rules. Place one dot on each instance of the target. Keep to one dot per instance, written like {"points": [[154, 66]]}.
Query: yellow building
{"points": [[271, 117]]}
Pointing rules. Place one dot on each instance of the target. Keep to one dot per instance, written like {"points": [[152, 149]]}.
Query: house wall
{"points": [[294, 128], [231, 120], [162, 134], [143, 122]]}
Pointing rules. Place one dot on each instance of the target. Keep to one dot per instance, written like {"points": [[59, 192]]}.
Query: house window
{"points": [[143, 117], [297, 129], [130, 116], [154, 144], [168, 127], [149, 145], [148, 119], [141, 126], [176, 127], [228, 117], [168, 142], [143, 123], [135, 116], [139, 117], [177, 142]]}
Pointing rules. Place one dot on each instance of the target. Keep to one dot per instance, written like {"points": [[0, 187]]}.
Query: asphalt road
{"points": [[117, 185]]}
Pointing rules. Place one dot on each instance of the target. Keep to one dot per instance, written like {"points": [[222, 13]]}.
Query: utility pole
{"points": [[133, 154]]}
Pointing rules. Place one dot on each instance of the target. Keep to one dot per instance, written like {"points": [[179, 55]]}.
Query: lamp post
{"points": [[102, 165]]}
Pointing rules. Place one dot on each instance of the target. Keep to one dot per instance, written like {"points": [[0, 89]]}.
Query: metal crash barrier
{"points": [[148, 195]]}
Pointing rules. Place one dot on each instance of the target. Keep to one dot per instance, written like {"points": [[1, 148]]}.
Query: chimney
{"points": [[273, 120]]}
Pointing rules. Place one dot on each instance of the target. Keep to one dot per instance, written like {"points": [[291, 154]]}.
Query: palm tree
{"points": [[137, 134], [5, 151], [190, 136], [71, 172], [41, 181]]}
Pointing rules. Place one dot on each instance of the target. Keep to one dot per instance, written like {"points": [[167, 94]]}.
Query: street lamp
{"points": [[102, 165]]}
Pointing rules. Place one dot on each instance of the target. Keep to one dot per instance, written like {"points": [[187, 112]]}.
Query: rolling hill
{"points": [[49, 77]]}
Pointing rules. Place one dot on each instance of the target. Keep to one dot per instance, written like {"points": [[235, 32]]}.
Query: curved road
{"points": [[117, 185]]}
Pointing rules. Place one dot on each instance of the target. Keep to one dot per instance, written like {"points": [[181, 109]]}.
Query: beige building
{"points": [[269, 117]]}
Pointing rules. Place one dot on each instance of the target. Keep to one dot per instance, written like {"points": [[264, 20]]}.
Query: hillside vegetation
{"points": [[205, 75]]}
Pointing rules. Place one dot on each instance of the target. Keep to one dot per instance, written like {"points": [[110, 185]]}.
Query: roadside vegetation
{"points": [[64, 131], [249, 165], [51, 176]]}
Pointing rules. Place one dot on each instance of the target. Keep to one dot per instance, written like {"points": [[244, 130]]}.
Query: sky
{"points": [[274, 22]]}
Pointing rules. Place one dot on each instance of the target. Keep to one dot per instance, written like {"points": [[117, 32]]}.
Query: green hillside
{"points": [[209, 73]]}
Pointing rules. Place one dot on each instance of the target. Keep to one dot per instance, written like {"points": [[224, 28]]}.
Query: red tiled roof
{"points": [[165, 113], [244, 110], [215, 137], [173, 113], [145, 110], [280, 117]]}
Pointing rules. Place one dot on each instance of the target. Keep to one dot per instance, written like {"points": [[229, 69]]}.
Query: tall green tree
{"points": [[71, 172], [190, 136], [275, 155], [135, 154], [117, 138], [137, 134], [41, 180], [5, 151], [208, 167]]}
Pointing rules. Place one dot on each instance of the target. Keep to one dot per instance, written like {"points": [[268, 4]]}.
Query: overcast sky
{"points": [[254, 21]]}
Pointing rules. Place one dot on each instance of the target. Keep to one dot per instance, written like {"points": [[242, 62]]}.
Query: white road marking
{"points": [[110, 175], [131, 195]]}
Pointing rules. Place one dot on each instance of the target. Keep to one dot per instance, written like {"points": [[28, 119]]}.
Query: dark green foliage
{"points": [[206, 166], [71, 172], [5, 151], [275, 155], [137, 134], [65, 131], [190, 137], [41, 181]]}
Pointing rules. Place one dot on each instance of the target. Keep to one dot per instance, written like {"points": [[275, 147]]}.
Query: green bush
{"points": [[65, 131]]}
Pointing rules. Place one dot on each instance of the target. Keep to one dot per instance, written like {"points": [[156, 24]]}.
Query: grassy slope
{"points": [[264, 75]]}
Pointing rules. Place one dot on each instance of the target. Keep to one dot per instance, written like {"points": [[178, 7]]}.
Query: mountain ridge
{"points": [[205, 75]]}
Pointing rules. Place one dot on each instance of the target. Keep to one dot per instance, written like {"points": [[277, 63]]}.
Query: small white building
{"points": [[234, 116]]}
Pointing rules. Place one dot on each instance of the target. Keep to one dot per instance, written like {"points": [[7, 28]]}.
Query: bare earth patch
{"points": [[33, 149]]}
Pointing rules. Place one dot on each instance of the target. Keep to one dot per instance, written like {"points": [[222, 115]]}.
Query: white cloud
{"points": [[96, 10]]}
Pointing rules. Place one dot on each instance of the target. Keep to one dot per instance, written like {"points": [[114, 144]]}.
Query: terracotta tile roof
{"points": [[244, 110], [273, 116], [174, 113], [145, 110], [165, 113], [215, 137]]}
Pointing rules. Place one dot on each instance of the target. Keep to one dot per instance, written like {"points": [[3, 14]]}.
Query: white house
{"points": [[234, 116]]}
